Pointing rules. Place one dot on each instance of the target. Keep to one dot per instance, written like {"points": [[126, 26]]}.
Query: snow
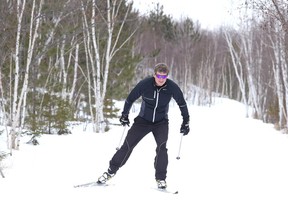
{"points": [[229, 165]]}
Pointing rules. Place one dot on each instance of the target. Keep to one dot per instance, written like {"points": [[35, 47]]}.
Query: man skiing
{"points": [[156, 93]]}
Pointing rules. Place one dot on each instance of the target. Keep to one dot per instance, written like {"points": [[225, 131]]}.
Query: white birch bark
{"points": [[63, 68], [98, 62], [89, 65], [238, 68], [247, 45], [284, 70], [15, 115], [76, 57], [33, 34], [277, 46], [112, 48], [96, 72], [3, 110]]}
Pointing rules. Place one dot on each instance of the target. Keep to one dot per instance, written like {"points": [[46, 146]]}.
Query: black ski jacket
{"points": [[155, 100]]}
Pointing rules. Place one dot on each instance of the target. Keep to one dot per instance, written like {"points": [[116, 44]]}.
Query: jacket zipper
{"points": [[157, 100], [156, 104]]}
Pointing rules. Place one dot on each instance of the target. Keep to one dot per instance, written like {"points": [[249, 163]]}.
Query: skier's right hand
{"points": [[124, 120], [185, 127]]}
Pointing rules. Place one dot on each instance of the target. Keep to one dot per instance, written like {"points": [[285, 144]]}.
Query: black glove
{"points": [[124, 120], [185, 127]]}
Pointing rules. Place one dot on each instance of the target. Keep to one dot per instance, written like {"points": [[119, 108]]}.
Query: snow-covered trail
{"points": [[229, 165]]}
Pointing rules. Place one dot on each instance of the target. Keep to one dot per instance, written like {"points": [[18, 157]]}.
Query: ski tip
{"points": [[176, 192]]}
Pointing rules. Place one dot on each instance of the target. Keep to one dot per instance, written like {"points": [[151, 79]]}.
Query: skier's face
{"points": [[160, 78]]}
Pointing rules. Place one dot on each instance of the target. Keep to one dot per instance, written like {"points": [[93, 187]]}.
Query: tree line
{"points": [[68, 61]]}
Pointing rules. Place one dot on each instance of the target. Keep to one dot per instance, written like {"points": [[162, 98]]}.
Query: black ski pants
{"points": [[138, 130]]}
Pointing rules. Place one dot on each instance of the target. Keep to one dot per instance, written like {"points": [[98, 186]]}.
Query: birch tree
{"points": [[235, 53], [99, 57], [248, 43], [278, 80], [282, 17], [75, 76], [274, 15], [15, 117], [19, 100], [279, 66], [187, 35]]}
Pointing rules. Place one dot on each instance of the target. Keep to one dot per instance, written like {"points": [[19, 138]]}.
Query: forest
{"points": [[68, 61]]}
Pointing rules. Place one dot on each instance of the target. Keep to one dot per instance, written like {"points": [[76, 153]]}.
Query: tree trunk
{"points": [[238, 68], [15, 113], [76, 57]]}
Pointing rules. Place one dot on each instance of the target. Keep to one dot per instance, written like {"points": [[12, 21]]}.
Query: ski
{"points": [[165, 190], [91, 184], [96, 184]]}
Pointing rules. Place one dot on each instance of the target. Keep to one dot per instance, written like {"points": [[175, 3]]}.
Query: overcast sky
{"points": [[210, 13]]}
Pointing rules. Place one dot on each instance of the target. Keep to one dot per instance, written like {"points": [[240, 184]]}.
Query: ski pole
{"points": [[178, 157], [118, 147]]}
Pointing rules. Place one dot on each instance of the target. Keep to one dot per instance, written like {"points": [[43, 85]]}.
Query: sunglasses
{"points": [[161, 76]]}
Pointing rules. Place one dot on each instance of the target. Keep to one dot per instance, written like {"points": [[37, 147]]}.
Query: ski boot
{"points": [[161, 184], [105, 177]]}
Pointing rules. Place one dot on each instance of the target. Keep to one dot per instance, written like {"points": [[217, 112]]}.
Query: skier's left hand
{"points": [[124, 120], [185, 127]]}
